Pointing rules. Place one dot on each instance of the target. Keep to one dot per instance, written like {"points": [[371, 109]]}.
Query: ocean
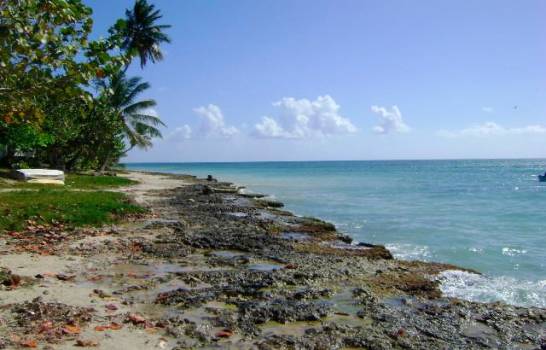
{"points": [[487, 215]]}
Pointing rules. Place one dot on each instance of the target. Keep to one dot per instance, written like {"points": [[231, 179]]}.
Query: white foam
{"points": [[406, 251], [244, 190], [513, 251], [474, 287], [475, 250]]}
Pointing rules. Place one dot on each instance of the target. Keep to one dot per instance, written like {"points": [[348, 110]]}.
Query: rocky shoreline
{"points": [[212, 267]]}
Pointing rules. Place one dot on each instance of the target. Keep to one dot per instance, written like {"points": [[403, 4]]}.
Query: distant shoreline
{"points": [[335, 160]]}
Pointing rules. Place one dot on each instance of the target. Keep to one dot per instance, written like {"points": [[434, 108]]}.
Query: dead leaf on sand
{"points": [[29, 343], [86, 343], [226, 333], [136, 319], [113, 326], [71, 329]]}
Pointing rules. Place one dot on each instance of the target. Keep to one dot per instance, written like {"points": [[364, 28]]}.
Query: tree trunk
{"points": [[3, 153], [10, 155], [105, 163], [72, 161]]}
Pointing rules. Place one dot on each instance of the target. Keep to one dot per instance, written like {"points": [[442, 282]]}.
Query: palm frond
{"points": [[147, 130], [136, 90], [139, 125], [139, 107], [148, 119], [142, 35]]}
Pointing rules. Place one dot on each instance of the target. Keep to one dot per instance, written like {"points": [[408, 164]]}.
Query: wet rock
{"points": [[252, 313], [202, 332], [8, 279], [364, 295], [364, 244], [379, 252], [314, 225], [270, 203], [186, 298], [237, 260], [5, 276], [409, 283], [251, 195], [310, 293], [64, 277], [295, 236], [102, 294], [345, 238], [167, 249], [207, 190], [160, 223]]}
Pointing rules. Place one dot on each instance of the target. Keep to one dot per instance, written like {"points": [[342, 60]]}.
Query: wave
{"points": [[474, 287], [513, 252], [475, 250], [407, 251]]}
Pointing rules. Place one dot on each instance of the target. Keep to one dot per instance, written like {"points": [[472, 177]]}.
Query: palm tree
{"points": [[142, 36], [139, 124]]}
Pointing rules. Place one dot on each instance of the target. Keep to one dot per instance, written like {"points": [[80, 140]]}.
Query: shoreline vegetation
{"points": [[66, 101], [195, 263]]}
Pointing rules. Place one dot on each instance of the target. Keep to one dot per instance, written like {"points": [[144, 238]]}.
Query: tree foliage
{"points": [[141, 34], [139, 122], [65, 99]]}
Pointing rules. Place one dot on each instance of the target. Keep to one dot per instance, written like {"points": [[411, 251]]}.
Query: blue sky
{"points": [[468, 79]]}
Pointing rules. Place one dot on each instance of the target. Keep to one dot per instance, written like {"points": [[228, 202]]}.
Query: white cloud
{"points": [[212, 122], [183, 132], [391, 121], [269, 128], [488, 109], [530, 129], [304, 118], [493, 129]]}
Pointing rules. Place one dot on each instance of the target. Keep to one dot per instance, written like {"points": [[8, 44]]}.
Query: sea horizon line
{"points": [[330, 160]]}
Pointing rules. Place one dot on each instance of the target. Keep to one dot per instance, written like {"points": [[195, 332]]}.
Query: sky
{"points": [[247, 80]]}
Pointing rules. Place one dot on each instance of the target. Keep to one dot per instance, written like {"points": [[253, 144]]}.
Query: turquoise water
{"points": [[489, 215]]}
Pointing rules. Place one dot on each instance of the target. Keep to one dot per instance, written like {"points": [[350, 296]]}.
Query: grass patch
{"points": [[73, 208], [72, 181], [95, 182]]}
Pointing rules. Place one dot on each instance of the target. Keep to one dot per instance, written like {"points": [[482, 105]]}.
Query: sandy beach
{"points": [[213, 267]]}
